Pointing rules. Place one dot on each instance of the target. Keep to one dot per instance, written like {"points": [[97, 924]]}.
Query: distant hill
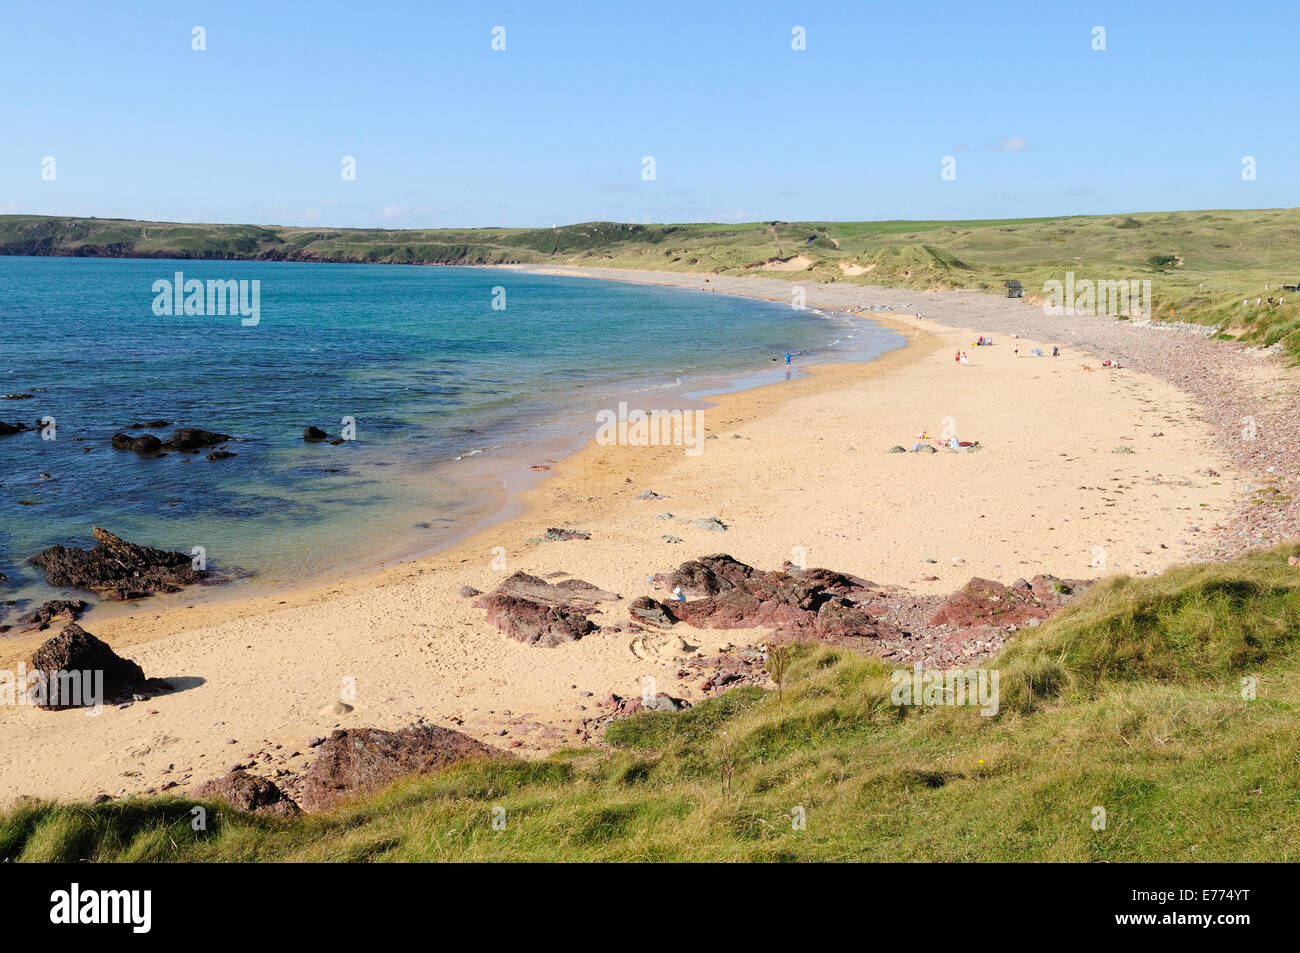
{"points": [[1201, 264]]}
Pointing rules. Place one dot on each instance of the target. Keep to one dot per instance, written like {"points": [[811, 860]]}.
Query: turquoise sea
{"points": [[448, 396]]}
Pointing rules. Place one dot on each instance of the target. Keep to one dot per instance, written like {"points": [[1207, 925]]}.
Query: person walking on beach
{"points": [[956, 358]]}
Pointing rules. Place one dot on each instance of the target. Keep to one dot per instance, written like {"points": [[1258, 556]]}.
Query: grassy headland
{"points": [[1132, 700], [1201, 264]]}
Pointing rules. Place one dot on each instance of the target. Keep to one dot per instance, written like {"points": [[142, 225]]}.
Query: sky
{"points": [[555, 128]]}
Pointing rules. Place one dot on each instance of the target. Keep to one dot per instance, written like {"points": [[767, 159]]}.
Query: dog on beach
{"points": [[1086, 367]]}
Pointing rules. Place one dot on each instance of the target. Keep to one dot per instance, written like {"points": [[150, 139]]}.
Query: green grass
{"points": [[1130, 700], [1201, 264]]}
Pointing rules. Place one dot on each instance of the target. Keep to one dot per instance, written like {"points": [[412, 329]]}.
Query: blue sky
{"points": [[448, 132]]}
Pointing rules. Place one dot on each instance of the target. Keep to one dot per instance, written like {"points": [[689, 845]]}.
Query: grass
{"points": [[1201, 264], [1136, 699]]}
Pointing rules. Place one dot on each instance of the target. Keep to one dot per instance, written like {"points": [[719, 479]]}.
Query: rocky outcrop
{"points": [[47, 613], [16, 427], [118, 569], [249, 793], [314, 435], [363, 760], [536, 612], [81, 657], [986, 602], [803, 603]]}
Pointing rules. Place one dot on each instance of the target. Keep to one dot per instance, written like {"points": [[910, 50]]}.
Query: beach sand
{"points": [[1070, 474]]}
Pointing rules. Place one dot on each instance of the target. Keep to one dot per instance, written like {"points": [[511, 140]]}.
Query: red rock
{"points": [[363, 760], [246, 792], [536, 612]]}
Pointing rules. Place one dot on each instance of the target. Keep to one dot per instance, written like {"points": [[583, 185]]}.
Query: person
{"points": [[1016, 350], [1056, 351], [963, 358], [787, 358], [956, 358]]}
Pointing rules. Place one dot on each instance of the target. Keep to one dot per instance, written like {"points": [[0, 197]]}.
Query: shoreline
{"points": [[268, 664], [489, 478]]}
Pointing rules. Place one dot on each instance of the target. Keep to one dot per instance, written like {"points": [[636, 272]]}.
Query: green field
{"points": [[1131, 700], [1201, 264]]}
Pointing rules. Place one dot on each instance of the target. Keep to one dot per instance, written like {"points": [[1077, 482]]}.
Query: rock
{"points": [[190, 439], [671, 539], [468, 592], [926, 448], [15, 427], [364, 760], [145, 443], [561, 535], [535, 612], [808, 603], [16, 396], [652, 612], [248, 793], [650, 495], [707, 575], [47, 613], [897, 449], [986, 602], [74, 651], [221, 455], [314, 435], [117, 568], [710, 524]]}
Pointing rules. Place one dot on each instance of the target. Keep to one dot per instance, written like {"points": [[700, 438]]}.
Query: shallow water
{"points": [[442, 388]]}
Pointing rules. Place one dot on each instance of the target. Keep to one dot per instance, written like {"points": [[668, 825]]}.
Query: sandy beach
{"points": [[1081, 472]]}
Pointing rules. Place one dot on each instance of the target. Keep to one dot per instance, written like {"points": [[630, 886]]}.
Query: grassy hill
{"points": [[1201, 264], [1130, 700]]}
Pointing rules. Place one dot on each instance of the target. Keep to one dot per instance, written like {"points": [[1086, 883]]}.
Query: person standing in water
{"points": [[787, 365]]}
